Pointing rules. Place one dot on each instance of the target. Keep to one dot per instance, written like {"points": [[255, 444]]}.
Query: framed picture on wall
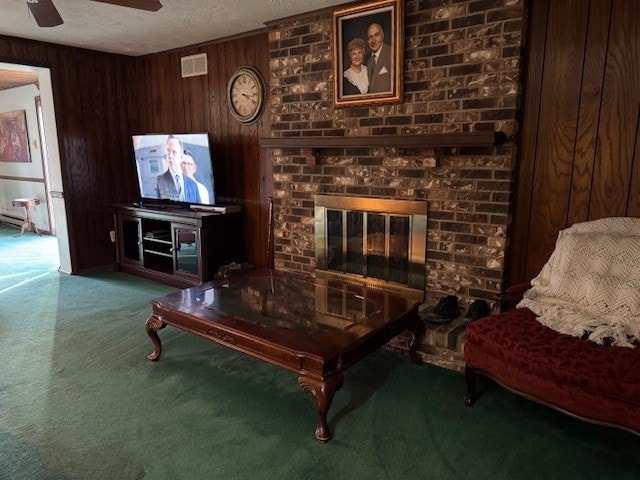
{"points": [[14, 141], [368, 51]]}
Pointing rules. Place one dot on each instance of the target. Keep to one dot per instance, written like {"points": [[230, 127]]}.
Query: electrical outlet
{"points": [[112, 235]]}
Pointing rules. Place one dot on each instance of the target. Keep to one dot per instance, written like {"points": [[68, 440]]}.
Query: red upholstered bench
{"points": [[597, 383]]}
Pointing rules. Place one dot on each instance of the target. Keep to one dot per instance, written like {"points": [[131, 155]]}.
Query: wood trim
{"points": [[22, 179]]}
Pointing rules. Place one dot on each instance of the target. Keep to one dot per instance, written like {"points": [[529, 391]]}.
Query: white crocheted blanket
{"points": [[591, 283]]}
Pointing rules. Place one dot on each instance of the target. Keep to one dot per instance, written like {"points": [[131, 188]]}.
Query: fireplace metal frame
{"points": [[415, 210]]}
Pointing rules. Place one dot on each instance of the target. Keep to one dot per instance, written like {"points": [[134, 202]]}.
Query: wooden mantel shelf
{"points": [[434, 140]]}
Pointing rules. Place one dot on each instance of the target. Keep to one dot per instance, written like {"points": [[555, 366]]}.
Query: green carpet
{"points": [[79, 400]]}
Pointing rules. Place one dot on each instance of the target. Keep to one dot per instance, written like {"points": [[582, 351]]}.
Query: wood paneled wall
{"points": [[169, 103], [94, 103], [102, 99], [579, 160], [580, 156]]}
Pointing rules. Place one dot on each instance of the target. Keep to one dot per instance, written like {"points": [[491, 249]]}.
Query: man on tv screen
{"points": [[172, 184], [189, 168]]}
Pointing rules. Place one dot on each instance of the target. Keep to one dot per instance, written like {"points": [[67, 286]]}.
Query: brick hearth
{"points": [[442, 345]]}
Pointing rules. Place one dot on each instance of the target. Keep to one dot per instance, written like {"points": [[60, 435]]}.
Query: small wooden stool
{"points": [[28, 224]]}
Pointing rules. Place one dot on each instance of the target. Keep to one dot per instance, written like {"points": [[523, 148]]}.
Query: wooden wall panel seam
{"points": [[596, 42], [536, 47]]}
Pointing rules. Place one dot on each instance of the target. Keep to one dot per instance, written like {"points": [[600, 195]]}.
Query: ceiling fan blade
{"points": [[45, 13], [148, 5]]}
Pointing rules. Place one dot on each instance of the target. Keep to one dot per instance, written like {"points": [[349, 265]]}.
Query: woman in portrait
{"points": [[356, 80]]}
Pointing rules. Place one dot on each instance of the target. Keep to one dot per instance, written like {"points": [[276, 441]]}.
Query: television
{"points": [[174, 168]]}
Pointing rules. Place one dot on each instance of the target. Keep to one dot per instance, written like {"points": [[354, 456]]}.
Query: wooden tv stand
{"points": [[177, 246]]}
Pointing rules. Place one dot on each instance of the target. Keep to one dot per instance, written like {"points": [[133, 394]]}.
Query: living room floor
{"points": [[79, 399]]}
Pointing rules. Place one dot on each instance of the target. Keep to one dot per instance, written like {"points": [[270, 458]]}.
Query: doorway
{"points": [[43, 143]]}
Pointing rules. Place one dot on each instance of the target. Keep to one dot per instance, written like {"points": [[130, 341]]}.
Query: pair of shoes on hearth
{"points": [[447, 309], [477, 310], [443, 312]]}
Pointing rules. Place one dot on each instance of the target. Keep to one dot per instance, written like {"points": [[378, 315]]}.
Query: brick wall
{"points": [[461, 74]]}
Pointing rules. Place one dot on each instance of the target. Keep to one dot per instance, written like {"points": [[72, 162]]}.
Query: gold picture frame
{"points": [[14, 138], [359, 32]]}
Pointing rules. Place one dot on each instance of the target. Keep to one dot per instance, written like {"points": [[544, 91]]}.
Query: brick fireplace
{"points": [[461, 75]]}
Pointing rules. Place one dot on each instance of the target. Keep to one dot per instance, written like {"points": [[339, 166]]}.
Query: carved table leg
{"points": [[470, 377], [323, 393], [417, 330], [154, 324]]}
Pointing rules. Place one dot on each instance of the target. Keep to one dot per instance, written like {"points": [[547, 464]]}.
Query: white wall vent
{"points": [[194, 65]]}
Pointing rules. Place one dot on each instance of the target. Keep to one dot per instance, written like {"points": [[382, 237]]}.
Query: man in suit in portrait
{"points": [[172, 184], [378, 60]]}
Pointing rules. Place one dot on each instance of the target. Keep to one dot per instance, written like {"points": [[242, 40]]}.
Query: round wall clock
{"points": [[245, 94]]}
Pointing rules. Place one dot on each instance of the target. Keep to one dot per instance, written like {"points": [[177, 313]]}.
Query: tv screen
{"points": [[175, 167]]}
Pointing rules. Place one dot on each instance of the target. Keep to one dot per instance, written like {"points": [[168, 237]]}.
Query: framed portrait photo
{"points": [[368, 47], [14, 139]]}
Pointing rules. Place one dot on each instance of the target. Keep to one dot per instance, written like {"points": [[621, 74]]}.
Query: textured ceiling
{"points": [[115, 29]]}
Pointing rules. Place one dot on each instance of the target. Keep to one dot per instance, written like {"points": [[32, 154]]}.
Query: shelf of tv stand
{"points": [[177, 246], [148, 251]]}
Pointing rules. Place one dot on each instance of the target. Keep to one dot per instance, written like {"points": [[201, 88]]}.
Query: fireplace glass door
{"points": [[370, 242]]}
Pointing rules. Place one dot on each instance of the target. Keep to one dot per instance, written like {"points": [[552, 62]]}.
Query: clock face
{"points": [[245, 94]]}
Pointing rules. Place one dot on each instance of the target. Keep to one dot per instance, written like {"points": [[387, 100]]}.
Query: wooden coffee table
{"points": [[316, 328]]}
